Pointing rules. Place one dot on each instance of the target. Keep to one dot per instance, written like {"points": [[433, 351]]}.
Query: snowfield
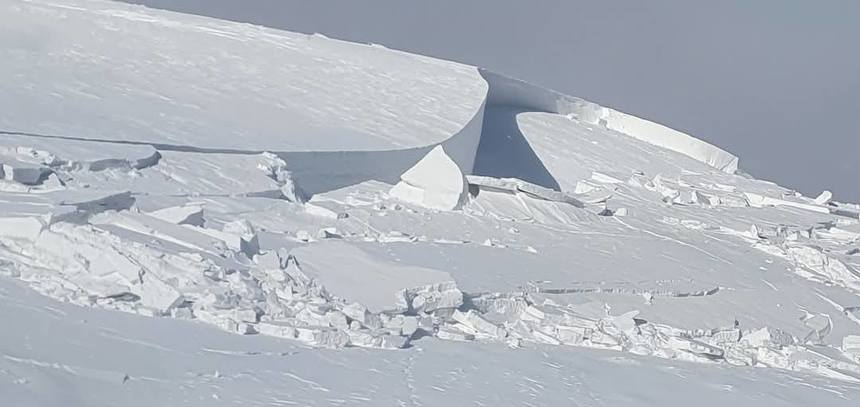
{"points": [[200, 212]]}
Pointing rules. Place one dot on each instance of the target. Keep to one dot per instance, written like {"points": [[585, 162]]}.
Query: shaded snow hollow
{"points": [[503, 243]]}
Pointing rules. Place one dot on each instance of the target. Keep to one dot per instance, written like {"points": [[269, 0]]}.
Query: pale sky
{"points": [[776, 82]]}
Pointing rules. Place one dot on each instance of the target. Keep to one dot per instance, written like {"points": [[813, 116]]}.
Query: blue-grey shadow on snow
{"points": [[490, 144], [504, 152]]}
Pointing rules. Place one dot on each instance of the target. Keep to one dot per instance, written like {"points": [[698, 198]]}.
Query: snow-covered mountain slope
{"points": [[464, 237]]}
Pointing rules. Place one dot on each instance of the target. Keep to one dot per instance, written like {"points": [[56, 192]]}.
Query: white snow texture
{"points": [[305, 200]]}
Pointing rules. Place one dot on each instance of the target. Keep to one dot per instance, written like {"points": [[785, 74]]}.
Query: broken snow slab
{"points": [[435, 182], [29, 158], [187, 214], [219, 246], [341, 96], [47, 208], [513, 185], [192, 174], [356, 275], [22, 171]]}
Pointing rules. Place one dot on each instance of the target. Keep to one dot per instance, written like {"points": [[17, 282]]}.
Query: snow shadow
{"points": [[504, 152]]}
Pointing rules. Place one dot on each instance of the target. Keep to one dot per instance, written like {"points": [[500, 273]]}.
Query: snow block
{"points": [[477, 323], [435, 182], [433, 297], [360, 313], [322, 337], [515, 185], [157, 295], [243, 237], [768, 337], [505, 91]]}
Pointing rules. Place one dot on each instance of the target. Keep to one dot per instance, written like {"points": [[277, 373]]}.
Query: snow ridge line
{"points": [[511, 92]]}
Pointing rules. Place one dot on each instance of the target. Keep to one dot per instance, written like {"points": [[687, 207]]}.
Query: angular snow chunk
{"points": [[394, 342], [702, 198], [604, 178], [75, 154], [26, 228], [359, 313], [477, 323], [243, 237], [269, 260], [725, 336], [156, 294], [304, 236], [695, 347], [245, 315], [452, 334], [312, 316], [364, 338], [323, 337], [824, 198], [761, 201], [544, 337], [404, 325], [435, 182], [624, 322], [767, 337], [583, 187], [501, 310], [820, 326], [433, 297], [187, 214], [278, 329], [325, 209], [225, 323], [514, 185], [533, 314], [377, 339], [337, 320], [25, 174], [328, 233], [276, 168], [669, 194], [823, 265], [571, 335]]}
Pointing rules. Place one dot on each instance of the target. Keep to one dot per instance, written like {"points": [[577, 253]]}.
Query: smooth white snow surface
{"points": [[148, 76], [451, 240]]}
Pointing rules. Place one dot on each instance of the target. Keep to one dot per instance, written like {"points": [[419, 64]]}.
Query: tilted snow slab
{"points": [[436, 182], [103, 70]]}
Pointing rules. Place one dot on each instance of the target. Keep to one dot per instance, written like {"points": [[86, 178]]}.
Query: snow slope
{"points": [[288, 213]]}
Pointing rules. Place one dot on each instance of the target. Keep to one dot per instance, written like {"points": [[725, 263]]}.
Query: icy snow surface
{"points": [[290, 220]]}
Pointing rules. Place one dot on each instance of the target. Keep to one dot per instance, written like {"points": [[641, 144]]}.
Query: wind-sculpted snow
{"points": [[513, 93], [149, 76], [483, 237]]}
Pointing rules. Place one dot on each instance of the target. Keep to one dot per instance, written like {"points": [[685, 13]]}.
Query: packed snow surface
{"points": [[221, 214]]}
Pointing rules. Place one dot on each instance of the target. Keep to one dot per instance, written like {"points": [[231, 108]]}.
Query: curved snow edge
{"points": [[507, 91]]}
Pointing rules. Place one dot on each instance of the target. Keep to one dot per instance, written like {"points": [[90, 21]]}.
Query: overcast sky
{"points": [[776, 82]]}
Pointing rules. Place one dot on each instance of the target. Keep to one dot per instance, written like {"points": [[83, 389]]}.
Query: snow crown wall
{"points": [[505, 91]]}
